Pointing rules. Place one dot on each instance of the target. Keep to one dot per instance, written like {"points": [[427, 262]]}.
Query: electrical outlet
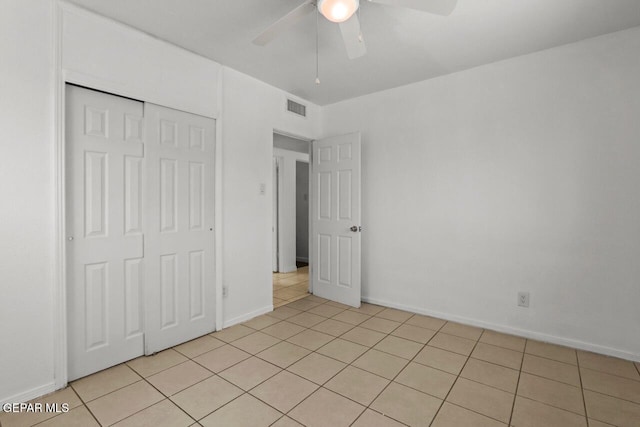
{"points": [[225, 291], [523, 299]]}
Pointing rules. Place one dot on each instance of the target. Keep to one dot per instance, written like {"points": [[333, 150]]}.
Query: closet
{"points": [[140, 255]]}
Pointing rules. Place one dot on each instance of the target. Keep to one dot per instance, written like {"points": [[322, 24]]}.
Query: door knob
{"points": [[355, 228]]}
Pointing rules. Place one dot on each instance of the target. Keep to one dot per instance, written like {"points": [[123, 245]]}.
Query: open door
{"points": [[335, 219]]}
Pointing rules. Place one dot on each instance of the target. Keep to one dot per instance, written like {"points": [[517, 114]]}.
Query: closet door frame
{"points": [[61, 78]]}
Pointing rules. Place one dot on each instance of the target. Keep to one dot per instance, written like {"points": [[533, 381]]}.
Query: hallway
{"points": [[289, 287]]}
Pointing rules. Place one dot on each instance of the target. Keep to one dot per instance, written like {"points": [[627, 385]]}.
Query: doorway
{"points": [[290, 219]]}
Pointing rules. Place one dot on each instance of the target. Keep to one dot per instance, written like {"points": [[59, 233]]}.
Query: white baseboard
{"points": [[248, 316], [30, 394], [290, 269], [581, 345]]}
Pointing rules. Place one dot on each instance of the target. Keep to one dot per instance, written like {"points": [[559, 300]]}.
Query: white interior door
{"points": [[335, 219], [105, 270], [179, 249]]}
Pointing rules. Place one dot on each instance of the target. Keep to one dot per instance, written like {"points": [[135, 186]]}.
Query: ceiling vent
{"points": [[296, 108]]}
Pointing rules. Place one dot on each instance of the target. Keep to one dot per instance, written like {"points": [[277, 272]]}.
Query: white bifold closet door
{"points": [[105, 240], [140, 241], [179, 248]]}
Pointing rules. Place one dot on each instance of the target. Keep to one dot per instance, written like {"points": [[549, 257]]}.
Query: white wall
{"points": [[252, 111], [105, 55], [519, 175], [291, 144], [26, 191], [287, 215]]}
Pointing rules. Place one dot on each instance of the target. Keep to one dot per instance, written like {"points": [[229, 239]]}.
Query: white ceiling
{"points": [[404, 46]]}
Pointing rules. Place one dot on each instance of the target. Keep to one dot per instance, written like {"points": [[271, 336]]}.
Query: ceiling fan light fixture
{"points": [[338, 10]]}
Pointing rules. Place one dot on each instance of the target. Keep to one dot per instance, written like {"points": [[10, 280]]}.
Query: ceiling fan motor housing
{"points": [[338, 10]]}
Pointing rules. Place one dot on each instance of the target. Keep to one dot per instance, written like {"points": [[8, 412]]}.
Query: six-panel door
{"points": [[105, 168], [140, 238], [179, 248], [335, 219]]}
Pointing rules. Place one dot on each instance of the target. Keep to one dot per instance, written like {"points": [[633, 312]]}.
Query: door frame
{"points": [[60, 78], [279, 190], [275, 224], [278, 202]]}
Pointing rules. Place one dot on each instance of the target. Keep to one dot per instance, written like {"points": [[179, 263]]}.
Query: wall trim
{"points": [[218, 234], [248, 316], [525, 333], [30, 394], [91, 82], [279, 154], [289, 269], [278, 187], [59, 250]]}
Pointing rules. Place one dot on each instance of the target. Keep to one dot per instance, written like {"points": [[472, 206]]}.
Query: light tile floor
{"points": [[318, 363], [289, 287]]}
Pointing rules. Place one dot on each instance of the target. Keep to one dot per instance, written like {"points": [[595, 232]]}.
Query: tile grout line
{"points": [[575, 366], [611, 374], [350, 364], [456, 380], [169, 397], [555, 382], [224, 379], [82, 404], [288, 300], [584, 401], [412, 359], [253, 355], [257, 385], [85, 403], [346, 364], [613, 397], [368, 348], [391, 380], [319, 386], [403, 368], [515, 394], [165, 397], [334, 338], [214, 374]]}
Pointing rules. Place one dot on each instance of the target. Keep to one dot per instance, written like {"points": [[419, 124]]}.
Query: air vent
{"points": [[296, 108]]}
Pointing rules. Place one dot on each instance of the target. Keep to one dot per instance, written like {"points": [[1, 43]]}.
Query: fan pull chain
{"points": [[360, 38], [317, 52]]}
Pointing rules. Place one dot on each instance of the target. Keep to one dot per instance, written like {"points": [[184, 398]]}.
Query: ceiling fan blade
{"points": [[438, 7], [352, 38], [284, 23]]}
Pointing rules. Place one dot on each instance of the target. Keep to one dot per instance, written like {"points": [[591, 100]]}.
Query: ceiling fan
{"points": [[343, 12]]}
